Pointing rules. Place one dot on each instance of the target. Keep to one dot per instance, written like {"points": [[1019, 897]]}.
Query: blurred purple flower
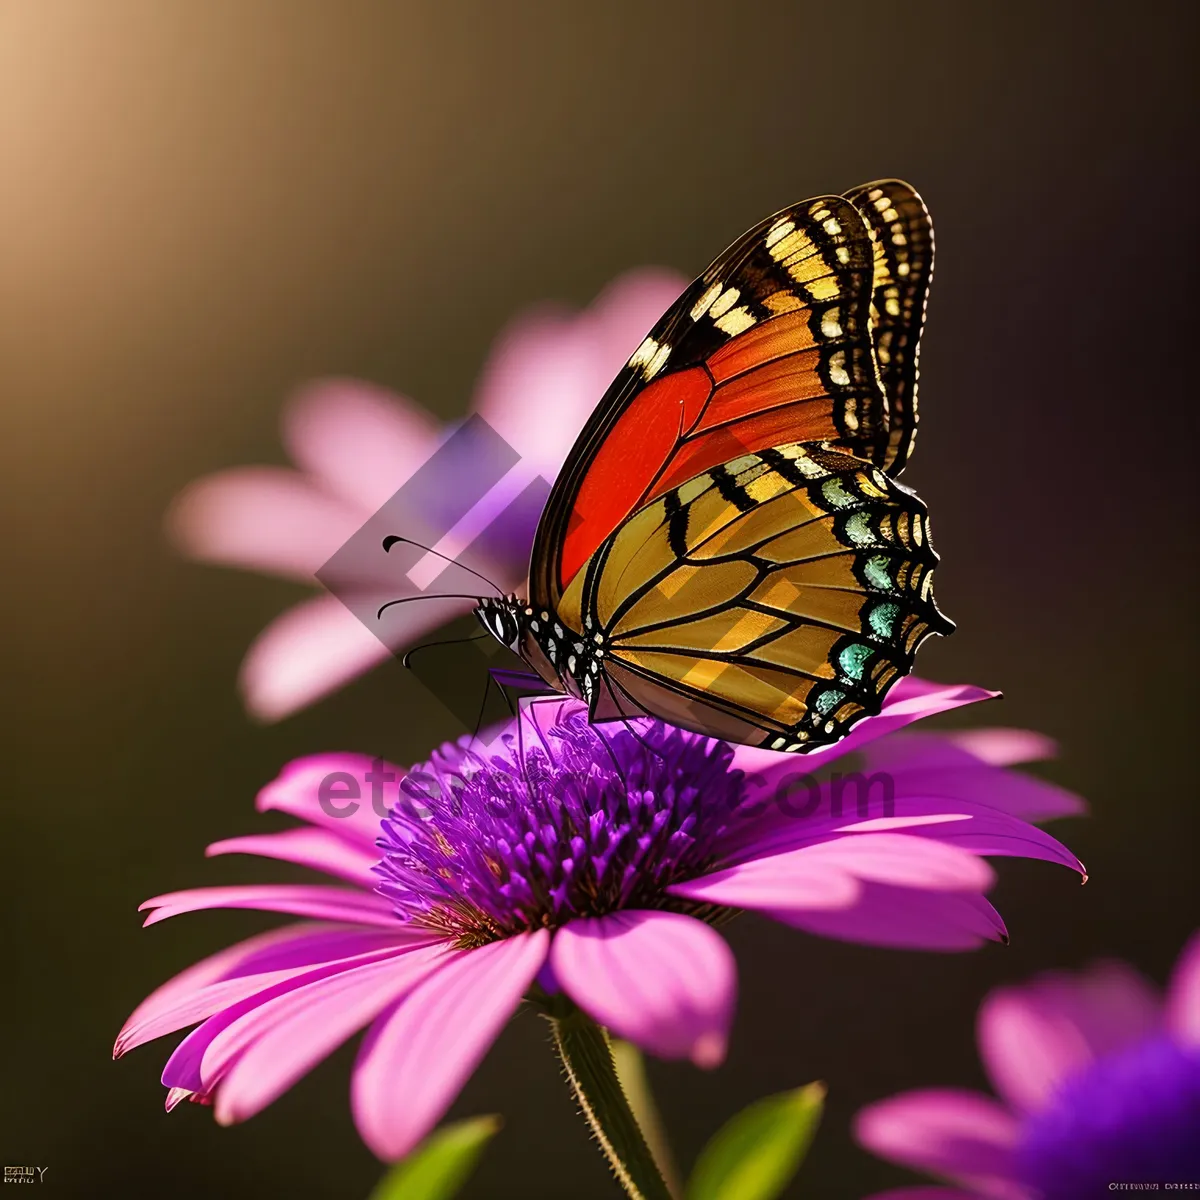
{"points": [[597, 871], [1099, 1079], [355, 445]]}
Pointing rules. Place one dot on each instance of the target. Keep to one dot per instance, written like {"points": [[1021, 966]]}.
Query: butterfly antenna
{"points": [[425, 596], [394, 539], [645, 745], [445, 642]]}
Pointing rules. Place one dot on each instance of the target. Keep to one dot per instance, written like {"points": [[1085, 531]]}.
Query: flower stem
{"points": [[587, 1060], [631, 1071]]}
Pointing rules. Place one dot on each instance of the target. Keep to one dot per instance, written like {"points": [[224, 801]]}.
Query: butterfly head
{"points": [[501, 617]]}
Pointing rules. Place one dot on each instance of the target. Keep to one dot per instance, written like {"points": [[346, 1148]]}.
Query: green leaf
{"points": [[441, 1164], [754, 1155]]}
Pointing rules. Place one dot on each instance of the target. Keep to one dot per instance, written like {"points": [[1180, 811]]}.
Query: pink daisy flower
{"points": [[594, 876], [355, 445], [1099, 1083]]}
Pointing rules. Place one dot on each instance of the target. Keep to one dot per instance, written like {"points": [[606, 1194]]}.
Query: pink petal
{"points": [[824, 875], [904, 918], [176, 1096], [415, 1058], [301, 900], [1012, 792], [1183, 995], [307, 847], [288, 1035], [900, 858], [174, 1007], [627, 310], [966, 807], [263, 519], [662, 980], [549, 368], [980, 831], [912, 821], [1003, 747], [1034, 1036], [361, 441], [963, 1136], [297, 791], [539, 359], [912, 699], [314, 649], [995, 747], [772, 884], [265, 952], [226, 962], [202, 1059]]}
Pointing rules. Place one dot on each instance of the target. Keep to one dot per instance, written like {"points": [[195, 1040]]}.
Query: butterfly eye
{"points": [[502, 625]]}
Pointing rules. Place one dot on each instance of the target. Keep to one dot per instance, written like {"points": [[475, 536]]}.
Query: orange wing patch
{"points": [[770, 346]]}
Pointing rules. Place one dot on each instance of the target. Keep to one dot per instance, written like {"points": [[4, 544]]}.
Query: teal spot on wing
{"points": [[835, 495], [859, 531], [876, 571], [829, 700], [882, 619], [853, 659]]}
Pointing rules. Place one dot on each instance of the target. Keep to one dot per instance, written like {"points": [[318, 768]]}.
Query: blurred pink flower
{"points": [[595, 871], [354, 445], [1099, 1083]]}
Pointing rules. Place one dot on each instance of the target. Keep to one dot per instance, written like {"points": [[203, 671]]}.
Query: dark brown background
{"points": [[204, 204]]}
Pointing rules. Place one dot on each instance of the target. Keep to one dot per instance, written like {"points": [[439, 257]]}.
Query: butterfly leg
{"points": [[522, 713], [504, 681], [515, 679], [623, 716]]}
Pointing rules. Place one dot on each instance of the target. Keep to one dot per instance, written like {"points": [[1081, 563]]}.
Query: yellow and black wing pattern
{"points": [[902, 232], [726, 547], [771, 600]]}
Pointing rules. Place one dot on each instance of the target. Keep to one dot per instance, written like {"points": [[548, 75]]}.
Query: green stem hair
{"points": [[587, 1060]]}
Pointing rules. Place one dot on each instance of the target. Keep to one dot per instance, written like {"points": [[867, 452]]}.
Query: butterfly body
{"points": [[566, 659], [726, 547]]}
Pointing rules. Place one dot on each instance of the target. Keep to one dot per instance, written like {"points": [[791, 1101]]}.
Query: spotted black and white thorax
{"points": [[568, 661]]}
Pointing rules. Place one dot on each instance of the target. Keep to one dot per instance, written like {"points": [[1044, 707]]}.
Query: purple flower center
{"points": [[1131, 1117], [478, 848]]}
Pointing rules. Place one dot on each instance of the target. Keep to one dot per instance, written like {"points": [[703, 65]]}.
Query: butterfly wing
{"points": [[771, 345], [902, 232], [771, 600]]}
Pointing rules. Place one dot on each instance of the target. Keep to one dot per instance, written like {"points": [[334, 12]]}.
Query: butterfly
{"points": [[727, 547]]}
